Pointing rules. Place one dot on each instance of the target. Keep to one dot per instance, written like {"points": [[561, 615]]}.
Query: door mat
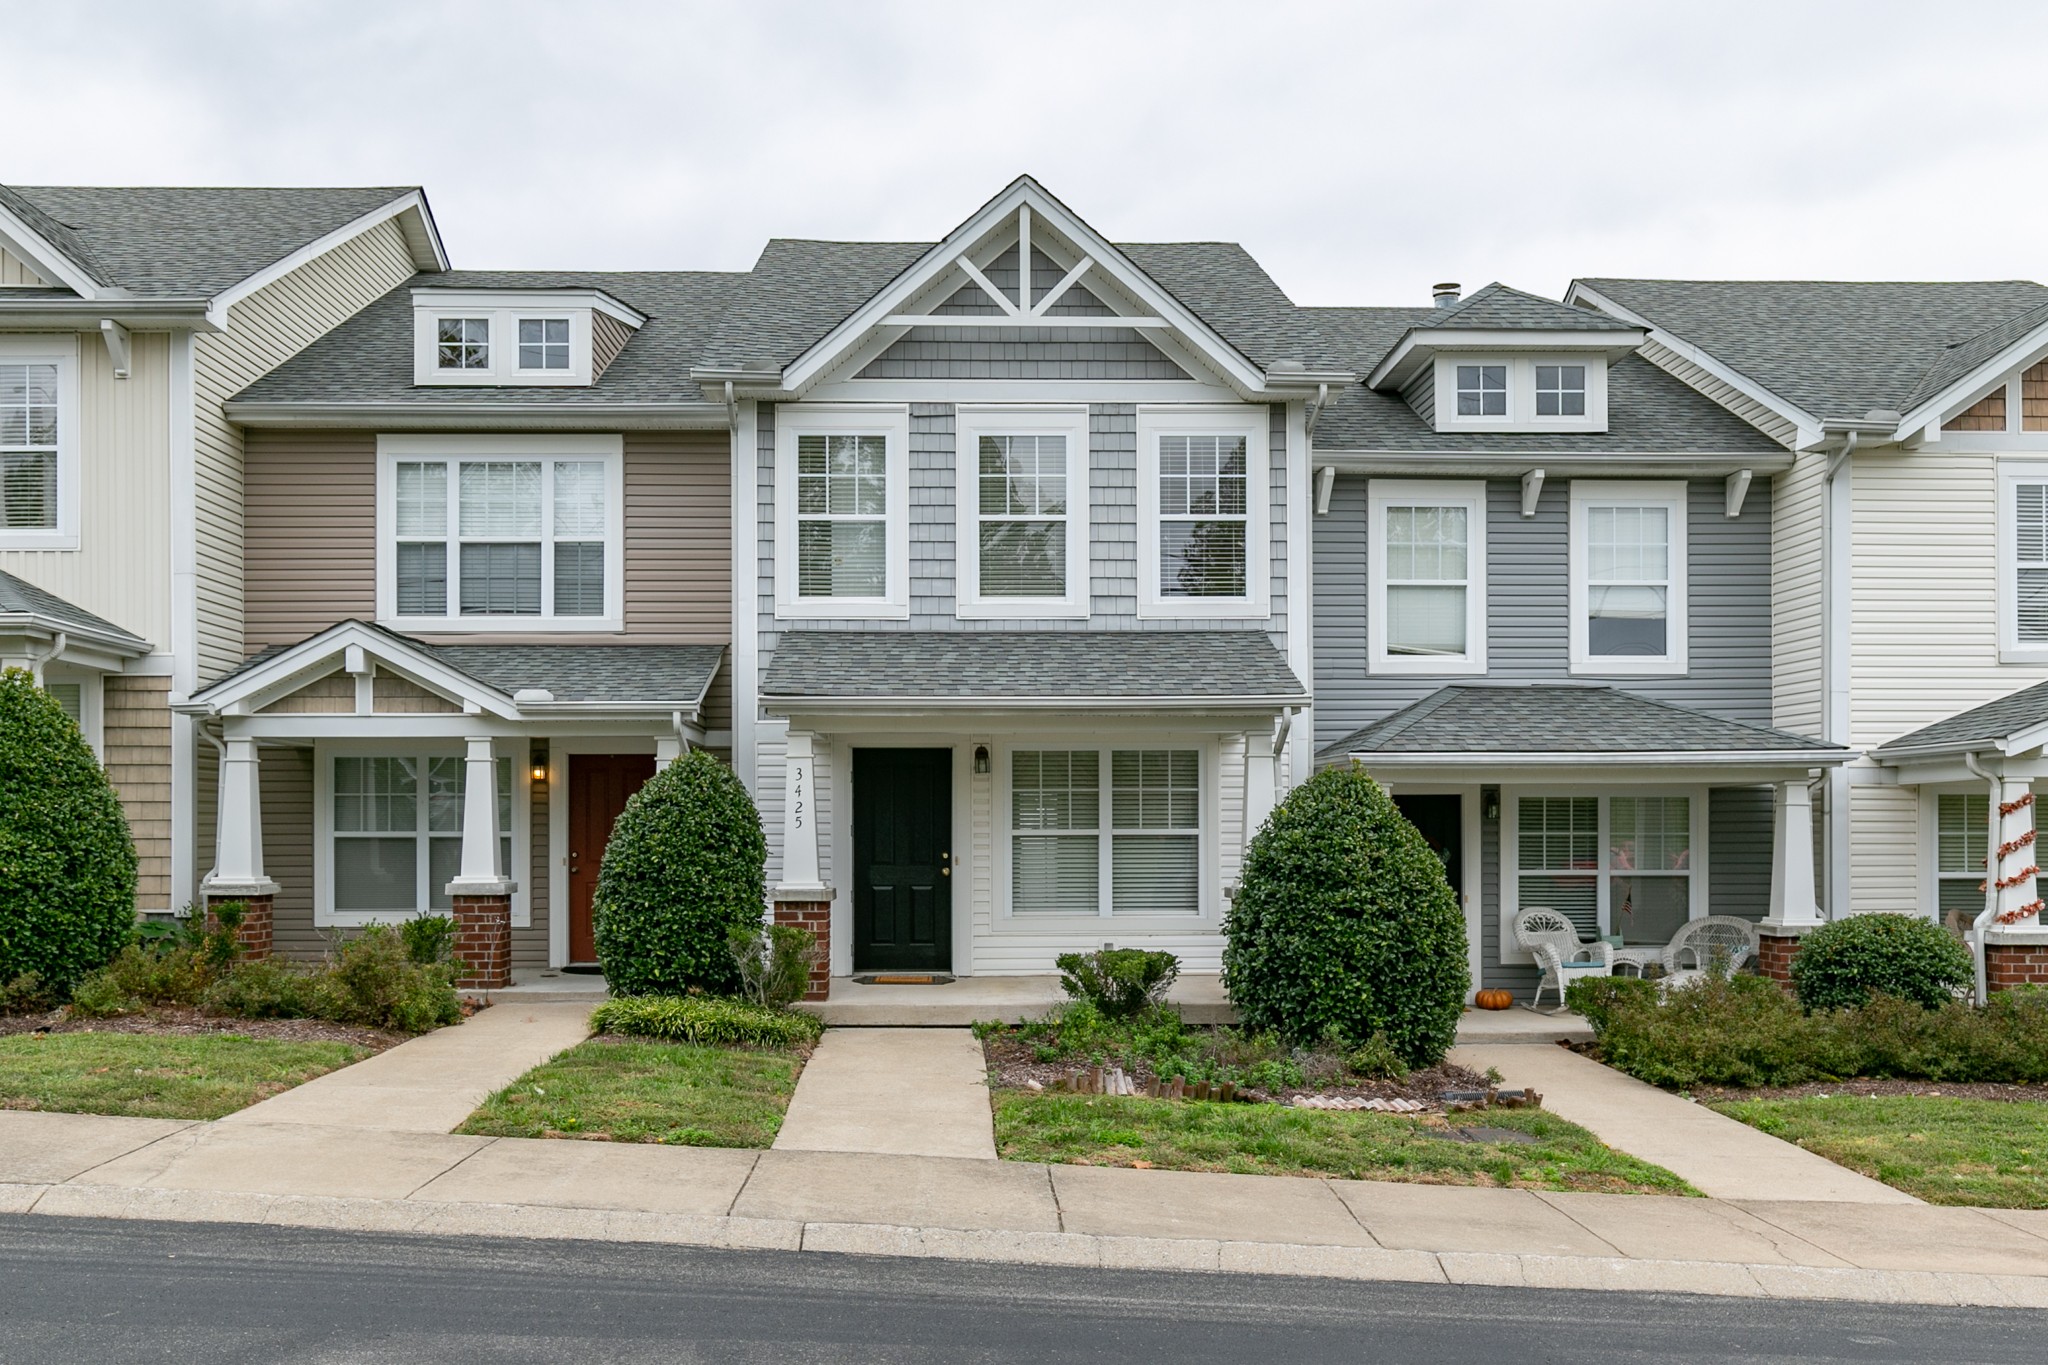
{"points": [[582, 969], [904, 979]]}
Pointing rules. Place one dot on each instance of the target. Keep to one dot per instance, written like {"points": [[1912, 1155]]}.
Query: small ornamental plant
{"points": [[1345, 922], [686, 865], [67, 864], [1842, 964]]}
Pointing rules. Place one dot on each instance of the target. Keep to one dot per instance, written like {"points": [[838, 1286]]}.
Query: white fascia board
{"points": [[1620, 463], [24, 241], [290, 669], [445, 297], [41, 627], [1024, 192], [1977, 382], [464, 414], [1728, 758], [911, 706], [414, 202], [1418, 344]]}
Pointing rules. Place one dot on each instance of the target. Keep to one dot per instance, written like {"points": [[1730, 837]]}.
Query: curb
{"points": [[543, 1221]]}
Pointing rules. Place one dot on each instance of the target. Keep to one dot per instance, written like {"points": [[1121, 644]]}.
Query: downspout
{"points": [[58, 644], [1990, 910]]}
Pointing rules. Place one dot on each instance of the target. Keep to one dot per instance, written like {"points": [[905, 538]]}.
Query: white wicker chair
{"points": [[1711, 945], [1553, 940]]}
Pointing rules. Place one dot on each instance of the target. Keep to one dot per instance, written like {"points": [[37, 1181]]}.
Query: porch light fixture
{"points": [[981, 760], [540, 766]]}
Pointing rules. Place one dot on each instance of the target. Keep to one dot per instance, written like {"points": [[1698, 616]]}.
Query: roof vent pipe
{"points": [[1445, 294]]}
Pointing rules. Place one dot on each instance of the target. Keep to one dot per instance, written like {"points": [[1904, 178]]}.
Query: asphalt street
{"points": [[90, 1290]]}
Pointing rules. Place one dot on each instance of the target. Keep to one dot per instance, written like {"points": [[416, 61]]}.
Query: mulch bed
{"points": [[1012, 1065], [2019, 1094], [176, 1021]]}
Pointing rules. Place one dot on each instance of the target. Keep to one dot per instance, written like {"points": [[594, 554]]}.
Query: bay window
{"points": [[1106, 832], [394, 831], [842, 504], [1023, 512], [1426, 609], [1628, 577], [1626, 866], [1202, 495]]}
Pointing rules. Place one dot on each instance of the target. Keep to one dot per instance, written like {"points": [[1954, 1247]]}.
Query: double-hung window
{"points": [[38, 440], [1625, 866], [1962, 838], [1023, 512], [1628, 578], [2023, 561], [1426, 611], [497, 533], [1106, 832], [1202, 498], [842, 504], [395, 831]]}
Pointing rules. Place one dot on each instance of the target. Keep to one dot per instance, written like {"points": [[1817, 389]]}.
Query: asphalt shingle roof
{"points": [[369, 358], [18, 596], [1980, 726], [1191, 666], [186, 243], [1499, 308], [1560, 718], [1837, 349]]}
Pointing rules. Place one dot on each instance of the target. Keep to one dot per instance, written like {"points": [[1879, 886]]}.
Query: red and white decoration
{"points": [[2014, 870]]}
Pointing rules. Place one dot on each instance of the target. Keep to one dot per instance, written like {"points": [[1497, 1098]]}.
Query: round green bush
{"points": [[1842, 964], [686, 865], [1344, 921], [67, 865]]}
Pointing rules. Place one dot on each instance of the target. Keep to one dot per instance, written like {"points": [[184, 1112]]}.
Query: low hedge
{"points": [[1747, 1031], [1847, 961], [707, 1020]]}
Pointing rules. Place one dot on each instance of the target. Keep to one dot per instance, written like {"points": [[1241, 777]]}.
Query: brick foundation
{"points": [[253, 935], [1774, 954], [483, 941], [2015, 964], [815, 916]]}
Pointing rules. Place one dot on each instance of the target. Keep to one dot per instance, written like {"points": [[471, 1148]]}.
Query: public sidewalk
{"points": [[307, 1174]]}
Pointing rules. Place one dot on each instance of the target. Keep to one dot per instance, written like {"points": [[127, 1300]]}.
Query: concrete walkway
{"points": [[904, 1092], [355, 1178], [1717, 1154], [431, 1083]]}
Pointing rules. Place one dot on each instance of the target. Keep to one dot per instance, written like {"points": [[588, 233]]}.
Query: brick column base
{"points": [[816, 916], [253, 935], [483, 941], [2015, 964], [1774, 953]]}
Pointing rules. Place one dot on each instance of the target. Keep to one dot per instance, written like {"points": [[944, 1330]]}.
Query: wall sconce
{"points": [[540, 765], [1493, 808], [981, 760]]}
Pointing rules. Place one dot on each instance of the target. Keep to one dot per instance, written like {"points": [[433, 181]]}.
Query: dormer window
{"points": [[543, 343], [506, 337], [1516, 392], [1560, 390], [1482, 390], [464, 343]]}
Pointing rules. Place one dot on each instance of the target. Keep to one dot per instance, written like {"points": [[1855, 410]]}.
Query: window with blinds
{"points": [[1628, 567], [397, 830], [1202, 516], [1126, 819], [1022, 500], [489, 538], [2030, 562], [842, 505], [1557, 858], [1962, 838], [1620, 865], [28, 446], [1427, 580]]}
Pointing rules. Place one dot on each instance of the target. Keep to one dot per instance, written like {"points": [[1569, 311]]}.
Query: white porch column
{"points": [[1259, 782], [799, 816], [480, 874], [1792, 900], [667, 750], [2015, 872], [238, 848]]}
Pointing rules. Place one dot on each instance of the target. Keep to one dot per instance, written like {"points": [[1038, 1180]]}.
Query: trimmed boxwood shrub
{"points": [[1344, 921], [1120, 982], [686, 865], [706, 1021], [1842, 964], [67, 865]]}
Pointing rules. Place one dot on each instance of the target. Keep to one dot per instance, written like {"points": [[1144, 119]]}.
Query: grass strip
{"points": [[632, 1091], [140, 1075], [1989, 1153], [1271, 1139]]}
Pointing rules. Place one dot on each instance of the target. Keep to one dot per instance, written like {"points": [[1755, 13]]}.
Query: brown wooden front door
{"points": [[598, 787]]}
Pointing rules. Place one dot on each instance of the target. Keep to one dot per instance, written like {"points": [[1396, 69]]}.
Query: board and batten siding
{"points": [[119, 570], [17, 272], [264, 330]]}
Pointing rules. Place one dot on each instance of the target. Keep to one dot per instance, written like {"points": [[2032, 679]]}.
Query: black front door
{"points": [[902, 860], [1441, 821]]}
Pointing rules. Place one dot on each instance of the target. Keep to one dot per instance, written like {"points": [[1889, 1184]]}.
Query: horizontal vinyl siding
{"points": [[530, 944], [1798, 618], [1884, 839], [136, 739], [287, 788], [1739, 834]]}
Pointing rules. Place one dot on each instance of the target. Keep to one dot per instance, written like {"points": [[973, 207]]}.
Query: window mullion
{"points": [[1105, 836], [547, 539]]}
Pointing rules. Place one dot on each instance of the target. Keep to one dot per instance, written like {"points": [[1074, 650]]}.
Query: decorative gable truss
{"points": [[356, 670]]}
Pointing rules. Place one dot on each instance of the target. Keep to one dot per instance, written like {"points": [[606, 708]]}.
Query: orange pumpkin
{"points": [[1493, 1000]]}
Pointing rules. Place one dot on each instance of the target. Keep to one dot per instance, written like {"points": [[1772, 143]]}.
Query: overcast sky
{"points": [[1361, 151]]}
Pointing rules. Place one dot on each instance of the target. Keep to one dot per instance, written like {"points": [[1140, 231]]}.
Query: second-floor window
{"points": [[1427, 611], [841, 539], [28, 446], [2023, 561], [463, 343], [1023, 512], [543, 343], [1628, 577], [491, 533], [1560, 390], [1482, 391], [1202, 500]]}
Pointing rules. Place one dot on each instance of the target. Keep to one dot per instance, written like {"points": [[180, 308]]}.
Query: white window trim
{"points": [[503, 314], [1930, 842], [1521, 413], [1671, 495], [1209, 913], [91, 701], [1199, 420], [520, 873], [2012, 473], [1469, 494], [61, 351], [1510, 853], [971, 424], [892, 423], [392, 450]]}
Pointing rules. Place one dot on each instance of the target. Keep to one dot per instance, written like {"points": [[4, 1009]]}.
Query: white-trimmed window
{"points": [[391, 833], [1631, 866], [512, 532], [842, 510], [1560, 390], [1482, 390], [1023, 512], [1520, 392], [1962, 838], [38, 443], [462, 343], [1107, 831], [1426, 611], [543, 343], [1202, 494], [2023, 561], [1628, 577], [510, 337], [82, 696]]}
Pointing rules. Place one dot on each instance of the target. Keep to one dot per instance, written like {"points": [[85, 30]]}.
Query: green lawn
{"points": [[1945, 1151], [144, 1075], [1269, 1139], [646, 1092]]}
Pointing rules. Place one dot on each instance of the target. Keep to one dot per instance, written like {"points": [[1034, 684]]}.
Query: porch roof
{"points": [[994, 668], [1538, 723], [2011, 724], [24, 606]]}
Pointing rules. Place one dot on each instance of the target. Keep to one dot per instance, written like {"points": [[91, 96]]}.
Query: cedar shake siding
{"points": [[136, 737]]}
